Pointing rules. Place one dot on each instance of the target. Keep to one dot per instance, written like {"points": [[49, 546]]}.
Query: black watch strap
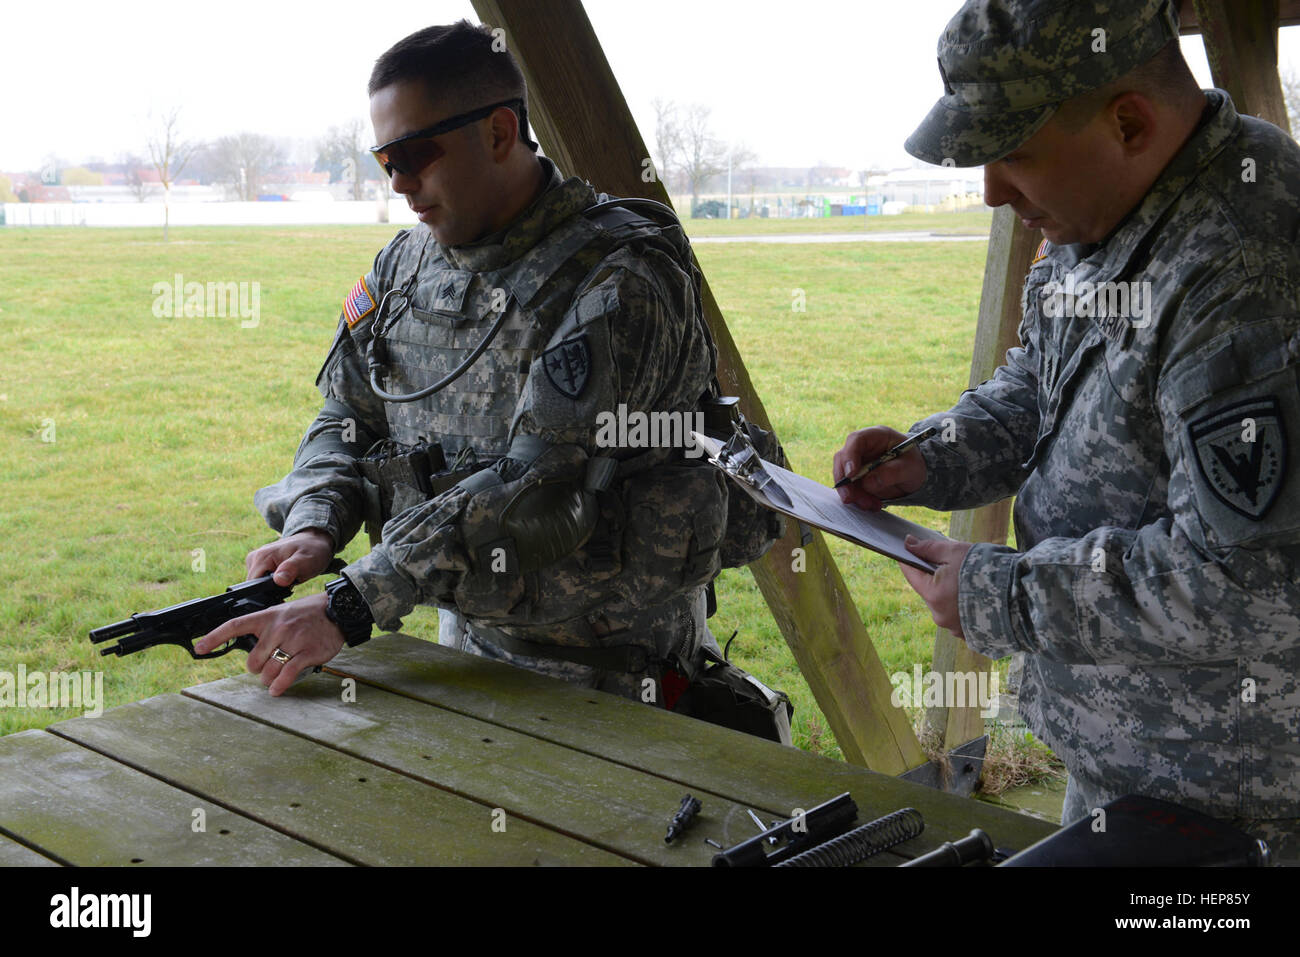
{"points": [[346, 608]]}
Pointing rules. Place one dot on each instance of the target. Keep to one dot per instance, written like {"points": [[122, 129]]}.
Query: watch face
{"points": [[347, 604], [347, 609]]}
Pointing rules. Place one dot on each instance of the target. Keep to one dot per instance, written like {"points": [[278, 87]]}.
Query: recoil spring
{"points": [[862, 842]]}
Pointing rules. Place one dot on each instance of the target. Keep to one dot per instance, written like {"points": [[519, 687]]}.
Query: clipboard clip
{"points": [[738, 458]]}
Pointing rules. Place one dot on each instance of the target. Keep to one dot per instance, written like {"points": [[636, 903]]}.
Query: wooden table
{"points": [[404, 752]]}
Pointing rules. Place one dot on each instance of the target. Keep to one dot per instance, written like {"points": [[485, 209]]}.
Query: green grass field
{"points": [[973, 222], [132, 444]]}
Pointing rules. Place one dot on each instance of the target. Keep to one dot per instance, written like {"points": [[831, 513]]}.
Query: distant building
{"points": [[303, 176], [40, 193], [930, 186], [18, 181]]}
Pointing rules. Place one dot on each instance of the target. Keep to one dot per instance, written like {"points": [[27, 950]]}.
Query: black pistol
{"points": [[185, 623]]}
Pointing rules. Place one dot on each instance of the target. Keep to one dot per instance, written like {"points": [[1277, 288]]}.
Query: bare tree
{"points": [[1291, 94], [139, 186], [743, 173], [134, 168], [341, 153], [203, 165], [668, 139], [169, 154], [244, 161], [704, 156], [688, 150]]}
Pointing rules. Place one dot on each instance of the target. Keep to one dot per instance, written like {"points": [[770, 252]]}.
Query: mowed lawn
{"points": [[132, 444], [968, 222]]}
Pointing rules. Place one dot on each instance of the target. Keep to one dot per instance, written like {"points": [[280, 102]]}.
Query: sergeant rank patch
{"points": [[358, 304], [568, 365], [1241, 451]]}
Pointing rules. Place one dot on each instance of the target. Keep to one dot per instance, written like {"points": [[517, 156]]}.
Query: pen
{"points": [[889, 456]]}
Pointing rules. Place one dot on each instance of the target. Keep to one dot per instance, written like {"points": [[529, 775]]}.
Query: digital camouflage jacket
{"points": [[1147, 432]]}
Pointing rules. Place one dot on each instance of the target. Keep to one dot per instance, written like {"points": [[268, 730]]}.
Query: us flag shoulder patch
{"points": [[1042, 252], [359, 303]]}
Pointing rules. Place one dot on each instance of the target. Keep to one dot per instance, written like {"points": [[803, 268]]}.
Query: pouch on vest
{"points": [[750, 529], [673, 530], [538, 530], [398, 477], [723, 694]]}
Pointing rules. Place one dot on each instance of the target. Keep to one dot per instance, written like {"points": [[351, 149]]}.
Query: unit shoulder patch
{"points": [[568, 365], [1241, 451]]}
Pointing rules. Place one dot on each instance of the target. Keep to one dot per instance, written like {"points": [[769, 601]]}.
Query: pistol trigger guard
{"points": [[242, 643], [224, 650]]}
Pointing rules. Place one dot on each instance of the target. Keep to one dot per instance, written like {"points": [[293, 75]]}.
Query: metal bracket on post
{"points": [[957, 772]]}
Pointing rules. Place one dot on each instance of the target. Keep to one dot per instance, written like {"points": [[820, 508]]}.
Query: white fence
{"points": [[208, 214]]}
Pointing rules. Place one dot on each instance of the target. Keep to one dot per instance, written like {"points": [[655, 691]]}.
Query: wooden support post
{"points": [[1241, 44], [1011, 248], [583, 123]]}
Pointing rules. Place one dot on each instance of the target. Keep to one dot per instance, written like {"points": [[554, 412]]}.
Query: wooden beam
{"points": [[1190, 23], [583, 123], [1241, 44], [1011, 248]]}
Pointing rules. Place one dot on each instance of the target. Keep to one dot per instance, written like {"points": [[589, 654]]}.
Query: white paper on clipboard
{"points": [[820, 506]]}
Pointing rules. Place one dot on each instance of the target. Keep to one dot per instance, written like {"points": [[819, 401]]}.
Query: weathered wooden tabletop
{"points": [[429, 756]]}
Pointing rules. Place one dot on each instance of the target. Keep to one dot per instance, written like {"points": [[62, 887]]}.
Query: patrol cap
{"points": [[1007, 64]]}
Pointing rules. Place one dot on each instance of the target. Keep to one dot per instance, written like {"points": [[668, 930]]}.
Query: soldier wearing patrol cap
{"points": [[1145, 423], [463, 398]]}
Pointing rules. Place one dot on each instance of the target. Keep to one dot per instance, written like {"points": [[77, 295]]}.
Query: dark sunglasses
{"points": [[411, 153]]}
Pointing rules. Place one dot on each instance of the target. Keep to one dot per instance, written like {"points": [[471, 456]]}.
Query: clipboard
{"points": [[813, 503]]}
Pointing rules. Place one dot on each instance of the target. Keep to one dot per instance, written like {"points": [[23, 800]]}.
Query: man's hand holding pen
{"points": [[898, 476]]}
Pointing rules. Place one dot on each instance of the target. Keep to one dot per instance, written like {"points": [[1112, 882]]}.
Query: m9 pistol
{"points": [[185, 623]]}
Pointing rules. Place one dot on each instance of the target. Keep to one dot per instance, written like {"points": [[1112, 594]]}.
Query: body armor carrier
{"points": [[553, 534], [469, 425]]}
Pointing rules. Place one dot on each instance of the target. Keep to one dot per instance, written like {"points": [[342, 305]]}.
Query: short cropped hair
{"points": [[1166, 77], [462, 63]]}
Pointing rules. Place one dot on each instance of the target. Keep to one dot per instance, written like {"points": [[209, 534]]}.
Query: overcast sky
{"points": [[836, 81]]}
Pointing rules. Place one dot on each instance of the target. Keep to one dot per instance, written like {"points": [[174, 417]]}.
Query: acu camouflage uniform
{"points": [[631, 334], [1154, 589]]}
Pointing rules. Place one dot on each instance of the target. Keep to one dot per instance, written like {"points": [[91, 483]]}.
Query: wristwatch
{"points": [[346, 608]]}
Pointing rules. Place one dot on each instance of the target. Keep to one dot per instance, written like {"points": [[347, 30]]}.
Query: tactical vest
{"points": [[636, 552], [449, 317]]}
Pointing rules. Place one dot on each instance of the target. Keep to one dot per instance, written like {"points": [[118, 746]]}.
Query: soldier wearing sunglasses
{"points": [[483, 345]]}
